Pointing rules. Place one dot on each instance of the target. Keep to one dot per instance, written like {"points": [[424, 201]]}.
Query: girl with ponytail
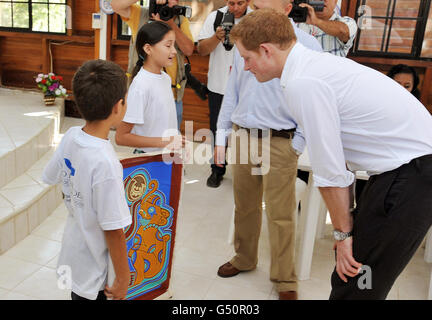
{"points": [[150, 122]]}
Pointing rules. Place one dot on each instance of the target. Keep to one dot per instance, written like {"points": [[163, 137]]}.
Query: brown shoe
{"points": [[228, 270], [288, 295]]}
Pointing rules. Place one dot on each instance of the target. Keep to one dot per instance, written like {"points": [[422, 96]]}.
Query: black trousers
{"points": [[101, 296], [215, 103], [393, 217]]}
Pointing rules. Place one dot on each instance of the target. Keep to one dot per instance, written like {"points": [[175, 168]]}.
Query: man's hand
{"points": [[156, 17], [118, 290], [345, 262], [219, 156], [311, 18], [220, 34]]}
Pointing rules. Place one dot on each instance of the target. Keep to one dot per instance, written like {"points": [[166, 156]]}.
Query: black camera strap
{"points": [[219, 16], [218, 20]]}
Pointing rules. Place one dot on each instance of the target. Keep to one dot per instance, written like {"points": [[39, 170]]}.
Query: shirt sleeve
{"points": [[185, 28], [133, 20], [298, 141], [352, 26], [109, 203], [137, 102], [306, 39], [207, 29], [52, 171], [229, 102], [318, 115]]}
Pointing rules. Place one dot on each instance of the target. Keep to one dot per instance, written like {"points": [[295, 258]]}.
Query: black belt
{"points": [[288, 134]]}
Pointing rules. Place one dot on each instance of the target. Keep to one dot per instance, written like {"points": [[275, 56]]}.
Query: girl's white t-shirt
{"points": [[151, 107], [92, 183]]}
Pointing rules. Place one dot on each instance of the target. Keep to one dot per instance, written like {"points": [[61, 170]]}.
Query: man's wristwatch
{"points": [[341, 236]]}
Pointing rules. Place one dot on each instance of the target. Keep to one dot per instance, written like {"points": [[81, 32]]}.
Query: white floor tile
{"points": [[3, 293], [35, 249], [49, 291], [221, 290], [14, 271], [12, 295], [51, 228], [185, 286], [196, 263]]}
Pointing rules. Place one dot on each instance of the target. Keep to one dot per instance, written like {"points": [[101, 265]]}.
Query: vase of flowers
{"points": [[51, 86]]}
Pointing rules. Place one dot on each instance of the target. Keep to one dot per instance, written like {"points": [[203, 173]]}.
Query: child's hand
{"points": [[176, 143], [183, 141], [118, 290]]}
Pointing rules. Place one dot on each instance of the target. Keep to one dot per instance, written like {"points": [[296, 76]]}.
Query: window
{"points": [[394, 28], [123, 29], [33, 15]]}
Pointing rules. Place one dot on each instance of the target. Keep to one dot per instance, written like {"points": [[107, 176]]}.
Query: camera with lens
{"points": [[166, 13], [227, 24], [299, 14]]}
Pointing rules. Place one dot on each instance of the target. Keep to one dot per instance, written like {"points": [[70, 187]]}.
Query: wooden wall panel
{"points": [[24, 55], [68, 58], [82, 17], [119, 54], [15, 54]]}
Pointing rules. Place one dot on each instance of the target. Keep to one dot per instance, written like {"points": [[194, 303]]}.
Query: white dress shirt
{"points": [[352, 116], [251, 104]]}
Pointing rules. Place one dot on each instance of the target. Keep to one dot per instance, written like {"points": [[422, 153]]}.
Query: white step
{"points": [[25, 203], [27, 130]]}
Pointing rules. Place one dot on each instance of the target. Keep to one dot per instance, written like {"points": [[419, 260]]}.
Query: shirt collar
{"points": [[334, 16], [291, 63]]}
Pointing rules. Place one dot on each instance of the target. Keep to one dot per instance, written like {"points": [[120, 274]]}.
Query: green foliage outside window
{"points": [[33, 15]]}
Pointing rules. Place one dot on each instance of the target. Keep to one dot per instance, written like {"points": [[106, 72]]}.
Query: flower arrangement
{"points": [[50, 85]]}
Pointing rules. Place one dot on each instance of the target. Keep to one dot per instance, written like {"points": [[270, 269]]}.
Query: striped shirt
{"points": [[330, 43]]}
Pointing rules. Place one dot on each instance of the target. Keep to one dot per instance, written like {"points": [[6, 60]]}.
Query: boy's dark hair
{"points": [[97, 86]]}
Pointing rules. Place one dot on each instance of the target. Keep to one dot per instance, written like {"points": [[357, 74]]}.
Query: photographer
{"points": [[136, 16], [335, 33], [211, 41]]}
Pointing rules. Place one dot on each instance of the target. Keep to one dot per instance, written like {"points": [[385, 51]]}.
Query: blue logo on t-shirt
{"points": [[69, 165]]}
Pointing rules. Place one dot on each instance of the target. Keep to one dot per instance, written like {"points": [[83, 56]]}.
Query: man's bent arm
{"points": [[334, 28], [122, 7], [185, 44], [337, 202], [206, 46]]}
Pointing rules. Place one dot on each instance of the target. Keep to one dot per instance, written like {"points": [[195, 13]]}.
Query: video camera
{"points": [[227, 24], [299, 14], [166, 13]]}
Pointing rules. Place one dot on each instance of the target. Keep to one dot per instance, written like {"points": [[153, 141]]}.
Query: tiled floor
{"points": [[28, 269]]}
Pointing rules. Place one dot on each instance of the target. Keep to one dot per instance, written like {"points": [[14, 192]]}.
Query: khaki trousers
{"points": [[277, 184]]}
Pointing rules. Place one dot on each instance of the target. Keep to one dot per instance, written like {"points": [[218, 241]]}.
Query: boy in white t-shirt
{"points": [[92, 183]]}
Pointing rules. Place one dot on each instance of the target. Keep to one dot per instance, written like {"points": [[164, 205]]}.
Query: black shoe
{"points": [[214, 180]]}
